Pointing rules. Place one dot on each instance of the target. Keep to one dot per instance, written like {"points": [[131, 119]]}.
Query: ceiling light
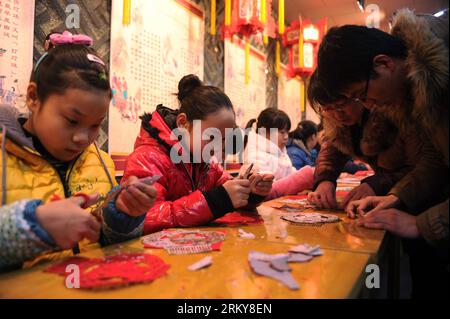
{"points": [[440, 13], [360, 4]]}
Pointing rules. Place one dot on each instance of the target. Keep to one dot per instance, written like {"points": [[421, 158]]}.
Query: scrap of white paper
{"points": [[299, 258], [205, 262], [266, 257], [266, 268], [307, 250], [246, 235], [280, 264]]}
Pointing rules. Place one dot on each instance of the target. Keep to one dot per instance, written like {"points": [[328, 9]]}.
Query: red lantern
{"points": [[248, 17], [303, 39]]}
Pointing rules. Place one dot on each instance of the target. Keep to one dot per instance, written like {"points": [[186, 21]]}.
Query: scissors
{"points": [[248, 172], [103, 201]]}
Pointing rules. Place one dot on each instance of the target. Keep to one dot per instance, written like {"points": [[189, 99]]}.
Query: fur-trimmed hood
{"points": [[378, 135], [426, 38]]}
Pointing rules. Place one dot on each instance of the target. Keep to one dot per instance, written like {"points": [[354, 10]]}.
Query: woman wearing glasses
{"points": [[405, 75], [353, 131]]}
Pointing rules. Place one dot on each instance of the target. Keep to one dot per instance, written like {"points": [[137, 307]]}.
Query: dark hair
{"points": [[304, 130], [198, 100], [320, 126], [67, 66], [271, 118], [346, 54], [318, 95]]}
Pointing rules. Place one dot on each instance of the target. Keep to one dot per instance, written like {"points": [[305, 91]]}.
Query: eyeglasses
{"points": [[348, 100], [336, 108], [333, 108], [363, 97]]}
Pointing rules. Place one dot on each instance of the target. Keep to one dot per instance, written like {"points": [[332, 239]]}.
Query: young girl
{"points": [[51, 156], [301, 144], [191, 192], [267, 152]]}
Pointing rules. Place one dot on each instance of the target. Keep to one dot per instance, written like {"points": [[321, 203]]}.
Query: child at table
{"points": [[191, 191], [266, 148], [53, 153]]}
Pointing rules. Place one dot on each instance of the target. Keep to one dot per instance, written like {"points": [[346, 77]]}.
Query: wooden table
{"points": [[339, 273], [343, 236]]}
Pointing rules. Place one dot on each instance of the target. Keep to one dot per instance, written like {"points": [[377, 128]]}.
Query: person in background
{"points": [[351, 167], [301, 144], [268, 153]]}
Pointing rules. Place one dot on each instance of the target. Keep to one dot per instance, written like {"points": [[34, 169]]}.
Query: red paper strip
{"points": [[239, 219]]}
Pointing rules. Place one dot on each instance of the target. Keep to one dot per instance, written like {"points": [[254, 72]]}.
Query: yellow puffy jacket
{"points": [[25, 174]]}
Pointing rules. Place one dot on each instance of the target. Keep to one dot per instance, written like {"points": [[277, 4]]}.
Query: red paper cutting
{"points": [[183, 241], [239, 219], [114, 271]]}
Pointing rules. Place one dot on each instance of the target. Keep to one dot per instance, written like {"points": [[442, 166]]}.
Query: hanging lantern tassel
{"points": [[126, 17], [227, 12], [264, 11], [302, 96], [277, 59], [300, 48], [213, 17], [264, 21], [281, 16], [247, 60]]}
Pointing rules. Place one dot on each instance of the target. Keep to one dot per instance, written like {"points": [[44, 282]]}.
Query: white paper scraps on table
{"points": [[307, 250], [299, 258], [265, 268], [276, 266], [267, 257], [203, 263], [246, 235], [280, 264]]}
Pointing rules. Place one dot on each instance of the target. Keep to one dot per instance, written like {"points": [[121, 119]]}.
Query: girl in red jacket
{"points": [[190, 193]]}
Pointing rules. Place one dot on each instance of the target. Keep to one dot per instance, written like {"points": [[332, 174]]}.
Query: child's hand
{"points": [[239, 191], [67, 223], [261, 184], [137, 198]]}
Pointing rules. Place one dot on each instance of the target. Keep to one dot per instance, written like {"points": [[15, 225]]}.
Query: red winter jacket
{"points": [[188, 194]]}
